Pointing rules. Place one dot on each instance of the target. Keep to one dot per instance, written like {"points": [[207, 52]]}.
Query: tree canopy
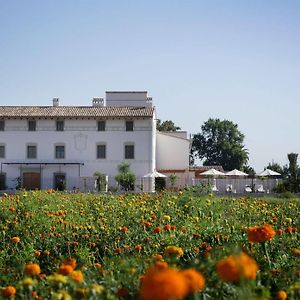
{"points": [[220, 143], [167, 125]]}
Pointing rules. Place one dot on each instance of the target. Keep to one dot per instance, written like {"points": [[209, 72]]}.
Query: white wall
{"points": [[171, 152], [80, 139]]}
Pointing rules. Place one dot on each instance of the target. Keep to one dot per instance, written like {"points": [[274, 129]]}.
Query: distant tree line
{"points": [[220, 142]]}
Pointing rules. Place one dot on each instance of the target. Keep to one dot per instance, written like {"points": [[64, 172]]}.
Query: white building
{"points": [[44, 146]]}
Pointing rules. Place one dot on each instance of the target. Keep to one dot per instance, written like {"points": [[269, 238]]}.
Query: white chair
{"points": [[214, 188], [248, 189], [229, 188], [260, 188]]}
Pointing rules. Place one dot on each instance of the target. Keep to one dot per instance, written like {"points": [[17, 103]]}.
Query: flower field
{"points": [[172, 246]]}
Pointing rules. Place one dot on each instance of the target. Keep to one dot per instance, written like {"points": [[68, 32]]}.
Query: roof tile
{"points": [[74, 111]]}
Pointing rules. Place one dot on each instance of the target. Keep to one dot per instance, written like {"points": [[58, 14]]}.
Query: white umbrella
{"points": [[236, 172], [155, 174], [212, 172], [268, 172]]}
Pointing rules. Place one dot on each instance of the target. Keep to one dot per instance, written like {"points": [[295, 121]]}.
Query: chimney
{"points": [[98, 101], [55, 102]]}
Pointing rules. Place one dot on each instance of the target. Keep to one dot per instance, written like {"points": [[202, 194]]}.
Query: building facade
{"points": [[43, 147]]}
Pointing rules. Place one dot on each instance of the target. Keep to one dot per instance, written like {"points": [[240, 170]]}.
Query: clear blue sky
{"points": [[236, 60]]}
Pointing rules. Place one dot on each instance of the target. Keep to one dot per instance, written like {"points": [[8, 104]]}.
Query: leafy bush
{"points": [[125, 178]]}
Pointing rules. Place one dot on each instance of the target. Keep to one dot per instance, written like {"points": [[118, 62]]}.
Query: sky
{"points": [[230, 59]]}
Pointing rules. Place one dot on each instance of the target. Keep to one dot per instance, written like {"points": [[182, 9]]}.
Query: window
{"points": [[101, 125], [2, 125], [59, 125], [31, 151], [101, 151], [32, 125], [129, 125], [59, 151], [129, 151], [2, 151]]}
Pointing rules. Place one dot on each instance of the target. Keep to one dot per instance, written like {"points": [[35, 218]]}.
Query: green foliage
{"points": [[100, 181], [220, 143], [167, 125], [88, 227], [249, 170], [125, 177], [293, 180], [173, 179]]}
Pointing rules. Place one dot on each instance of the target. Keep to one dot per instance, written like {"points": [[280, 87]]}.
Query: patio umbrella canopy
{"points": [[268, 172], [212, 172], [236, 172]]}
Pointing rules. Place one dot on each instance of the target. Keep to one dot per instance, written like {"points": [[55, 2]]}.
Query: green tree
{"points": [[293, 179], [249, 170], [167, 125], [125, 177], [220, 143], [275, 167]]}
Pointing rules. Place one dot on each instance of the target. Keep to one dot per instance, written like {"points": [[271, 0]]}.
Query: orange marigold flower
{"points": [[37, 253], [15, 240], [32, 269], [279, 232], [124, 229], [65, 270], [8, 292], [118, 250], [167, 227], [71, 262], [289, 230], [157, 230], [147, 224], [122, 292], [260, 234], [281, 295], [163, 284], [236, 267], [296, 252], [46, 252], [138, 247], [157, 257], [160, 265], [77, 276], [195, 280]]}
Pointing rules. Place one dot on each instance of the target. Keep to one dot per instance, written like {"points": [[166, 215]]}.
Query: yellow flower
{"points": [[97, 288], [173, 250], [166, 218], [288, 220], [57, 278], [28, 281]]}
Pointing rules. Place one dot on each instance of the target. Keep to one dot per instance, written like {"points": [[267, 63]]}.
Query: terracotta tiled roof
{"points": [[74, 111]]}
